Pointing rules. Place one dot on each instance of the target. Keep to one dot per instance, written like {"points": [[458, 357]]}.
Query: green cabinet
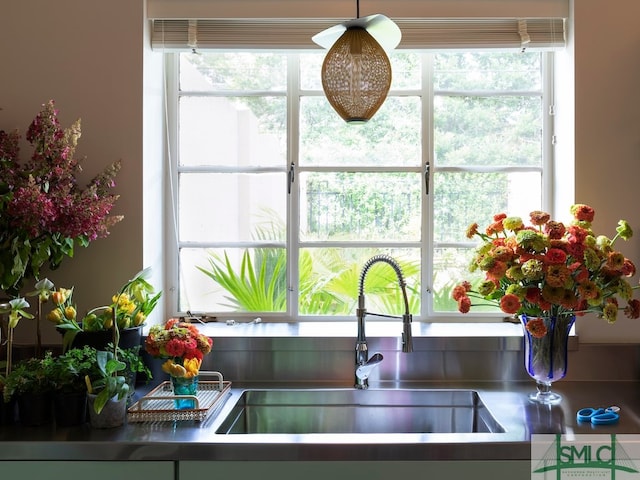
{"points": [[348, 470], [86, 470]]}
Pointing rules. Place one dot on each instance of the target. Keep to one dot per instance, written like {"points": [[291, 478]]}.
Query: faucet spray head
{"points": [[407, 337]]}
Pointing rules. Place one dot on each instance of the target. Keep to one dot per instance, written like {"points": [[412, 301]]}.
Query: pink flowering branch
{"points": [[44, 213]]}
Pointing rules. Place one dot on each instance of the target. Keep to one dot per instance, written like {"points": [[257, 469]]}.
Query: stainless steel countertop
{"points": [[178, 441]]}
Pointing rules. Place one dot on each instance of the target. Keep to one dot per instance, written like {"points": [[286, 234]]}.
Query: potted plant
{"points": [[68, 374], [108, 387], [8, 409], [30, 384], [128, 310], [107, 391]]}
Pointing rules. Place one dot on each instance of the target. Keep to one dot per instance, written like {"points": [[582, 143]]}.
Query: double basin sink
{"points": [[336, 411]]}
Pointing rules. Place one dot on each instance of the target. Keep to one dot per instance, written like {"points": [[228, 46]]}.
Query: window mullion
{"points": [[293, 197], [427, 253], [548, 116]]}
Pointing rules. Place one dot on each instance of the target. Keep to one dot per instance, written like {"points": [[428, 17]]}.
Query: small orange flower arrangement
{"points": [[182, 344], [549, 269]]}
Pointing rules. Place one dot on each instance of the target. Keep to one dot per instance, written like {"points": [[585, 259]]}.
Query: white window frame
{"points": [[427, 244]]}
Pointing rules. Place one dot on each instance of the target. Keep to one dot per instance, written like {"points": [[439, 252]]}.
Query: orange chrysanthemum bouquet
{"points": [[548, 269]]}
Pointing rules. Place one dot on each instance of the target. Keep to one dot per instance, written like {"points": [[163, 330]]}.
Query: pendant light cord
{"points": [[357, 8]]}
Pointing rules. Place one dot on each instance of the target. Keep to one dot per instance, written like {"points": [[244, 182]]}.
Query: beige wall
{"points": [[607, 129], [59, 49], [88, 57]]}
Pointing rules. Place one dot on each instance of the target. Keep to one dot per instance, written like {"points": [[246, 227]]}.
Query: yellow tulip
{"points": [[70, 313], [66, 293], [55, 316], [57, 298], [139, 319]]}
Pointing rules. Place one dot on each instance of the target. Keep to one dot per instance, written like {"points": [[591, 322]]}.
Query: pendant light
{"points": [[356, 72]]}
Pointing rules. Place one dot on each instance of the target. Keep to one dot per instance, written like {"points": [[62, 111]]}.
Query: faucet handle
{"points": [[363, 371]]}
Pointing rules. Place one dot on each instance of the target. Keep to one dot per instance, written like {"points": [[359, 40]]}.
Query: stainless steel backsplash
{"points": [[465, 353]]}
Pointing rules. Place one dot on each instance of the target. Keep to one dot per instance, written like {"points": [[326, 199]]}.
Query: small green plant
{"points": [[31, 376], [69, 369], [107, 371], [107, 381]]}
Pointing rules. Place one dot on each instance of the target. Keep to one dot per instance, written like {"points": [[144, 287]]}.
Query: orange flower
{"points": [[460, 291], [510, 303], [464, 304], [536, 328], [583, 213], [472, 230], [539, 218]]}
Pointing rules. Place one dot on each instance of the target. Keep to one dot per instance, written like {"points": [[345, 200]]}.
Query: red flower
{"points": [[632, 310], [577, 234], [533, 295], [628, 268], [175, 347], [555, 255]]}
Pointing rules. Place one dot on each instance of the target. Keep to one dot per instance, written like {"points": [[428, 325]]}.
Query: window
{"points": [[278, 203]]}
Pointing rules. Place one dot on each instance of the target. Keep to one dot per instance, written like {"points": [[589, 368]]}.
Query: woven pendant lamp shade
{"points": [[356, 75]]}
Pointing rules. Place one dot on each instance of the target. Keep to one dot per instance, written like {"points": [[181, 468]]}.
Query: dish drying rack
{"points": [[159, 404]]}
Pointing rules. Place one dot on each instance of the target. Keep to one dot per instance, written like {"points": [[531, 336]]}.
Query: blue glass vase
{"points": [[545, 355], [185, 386]]}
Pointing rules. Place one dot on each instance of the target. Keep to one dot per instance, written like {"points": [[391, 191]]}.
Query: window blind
{"points": [[502, 33]]}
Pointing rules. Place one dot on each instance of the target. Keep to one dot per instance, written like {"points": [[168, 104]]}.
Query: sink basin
{"points": [[300, 411]]}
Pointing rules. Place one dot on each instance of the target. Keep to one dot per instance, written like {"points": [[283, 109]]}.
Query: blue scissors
{"points": [[599, 416]]}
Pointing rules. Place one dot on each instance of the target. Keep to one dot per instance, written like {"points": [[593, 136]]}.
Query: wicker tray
{"points": [[159, 404]]}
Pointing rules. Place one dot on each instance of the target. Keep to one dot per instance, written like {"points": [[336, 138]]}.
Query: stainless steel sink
{"points": [[301, 411]]}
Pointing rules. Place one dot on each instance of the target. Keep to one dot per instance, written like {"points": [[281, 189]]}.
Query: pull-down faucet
{"points": [[364, 365]]}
